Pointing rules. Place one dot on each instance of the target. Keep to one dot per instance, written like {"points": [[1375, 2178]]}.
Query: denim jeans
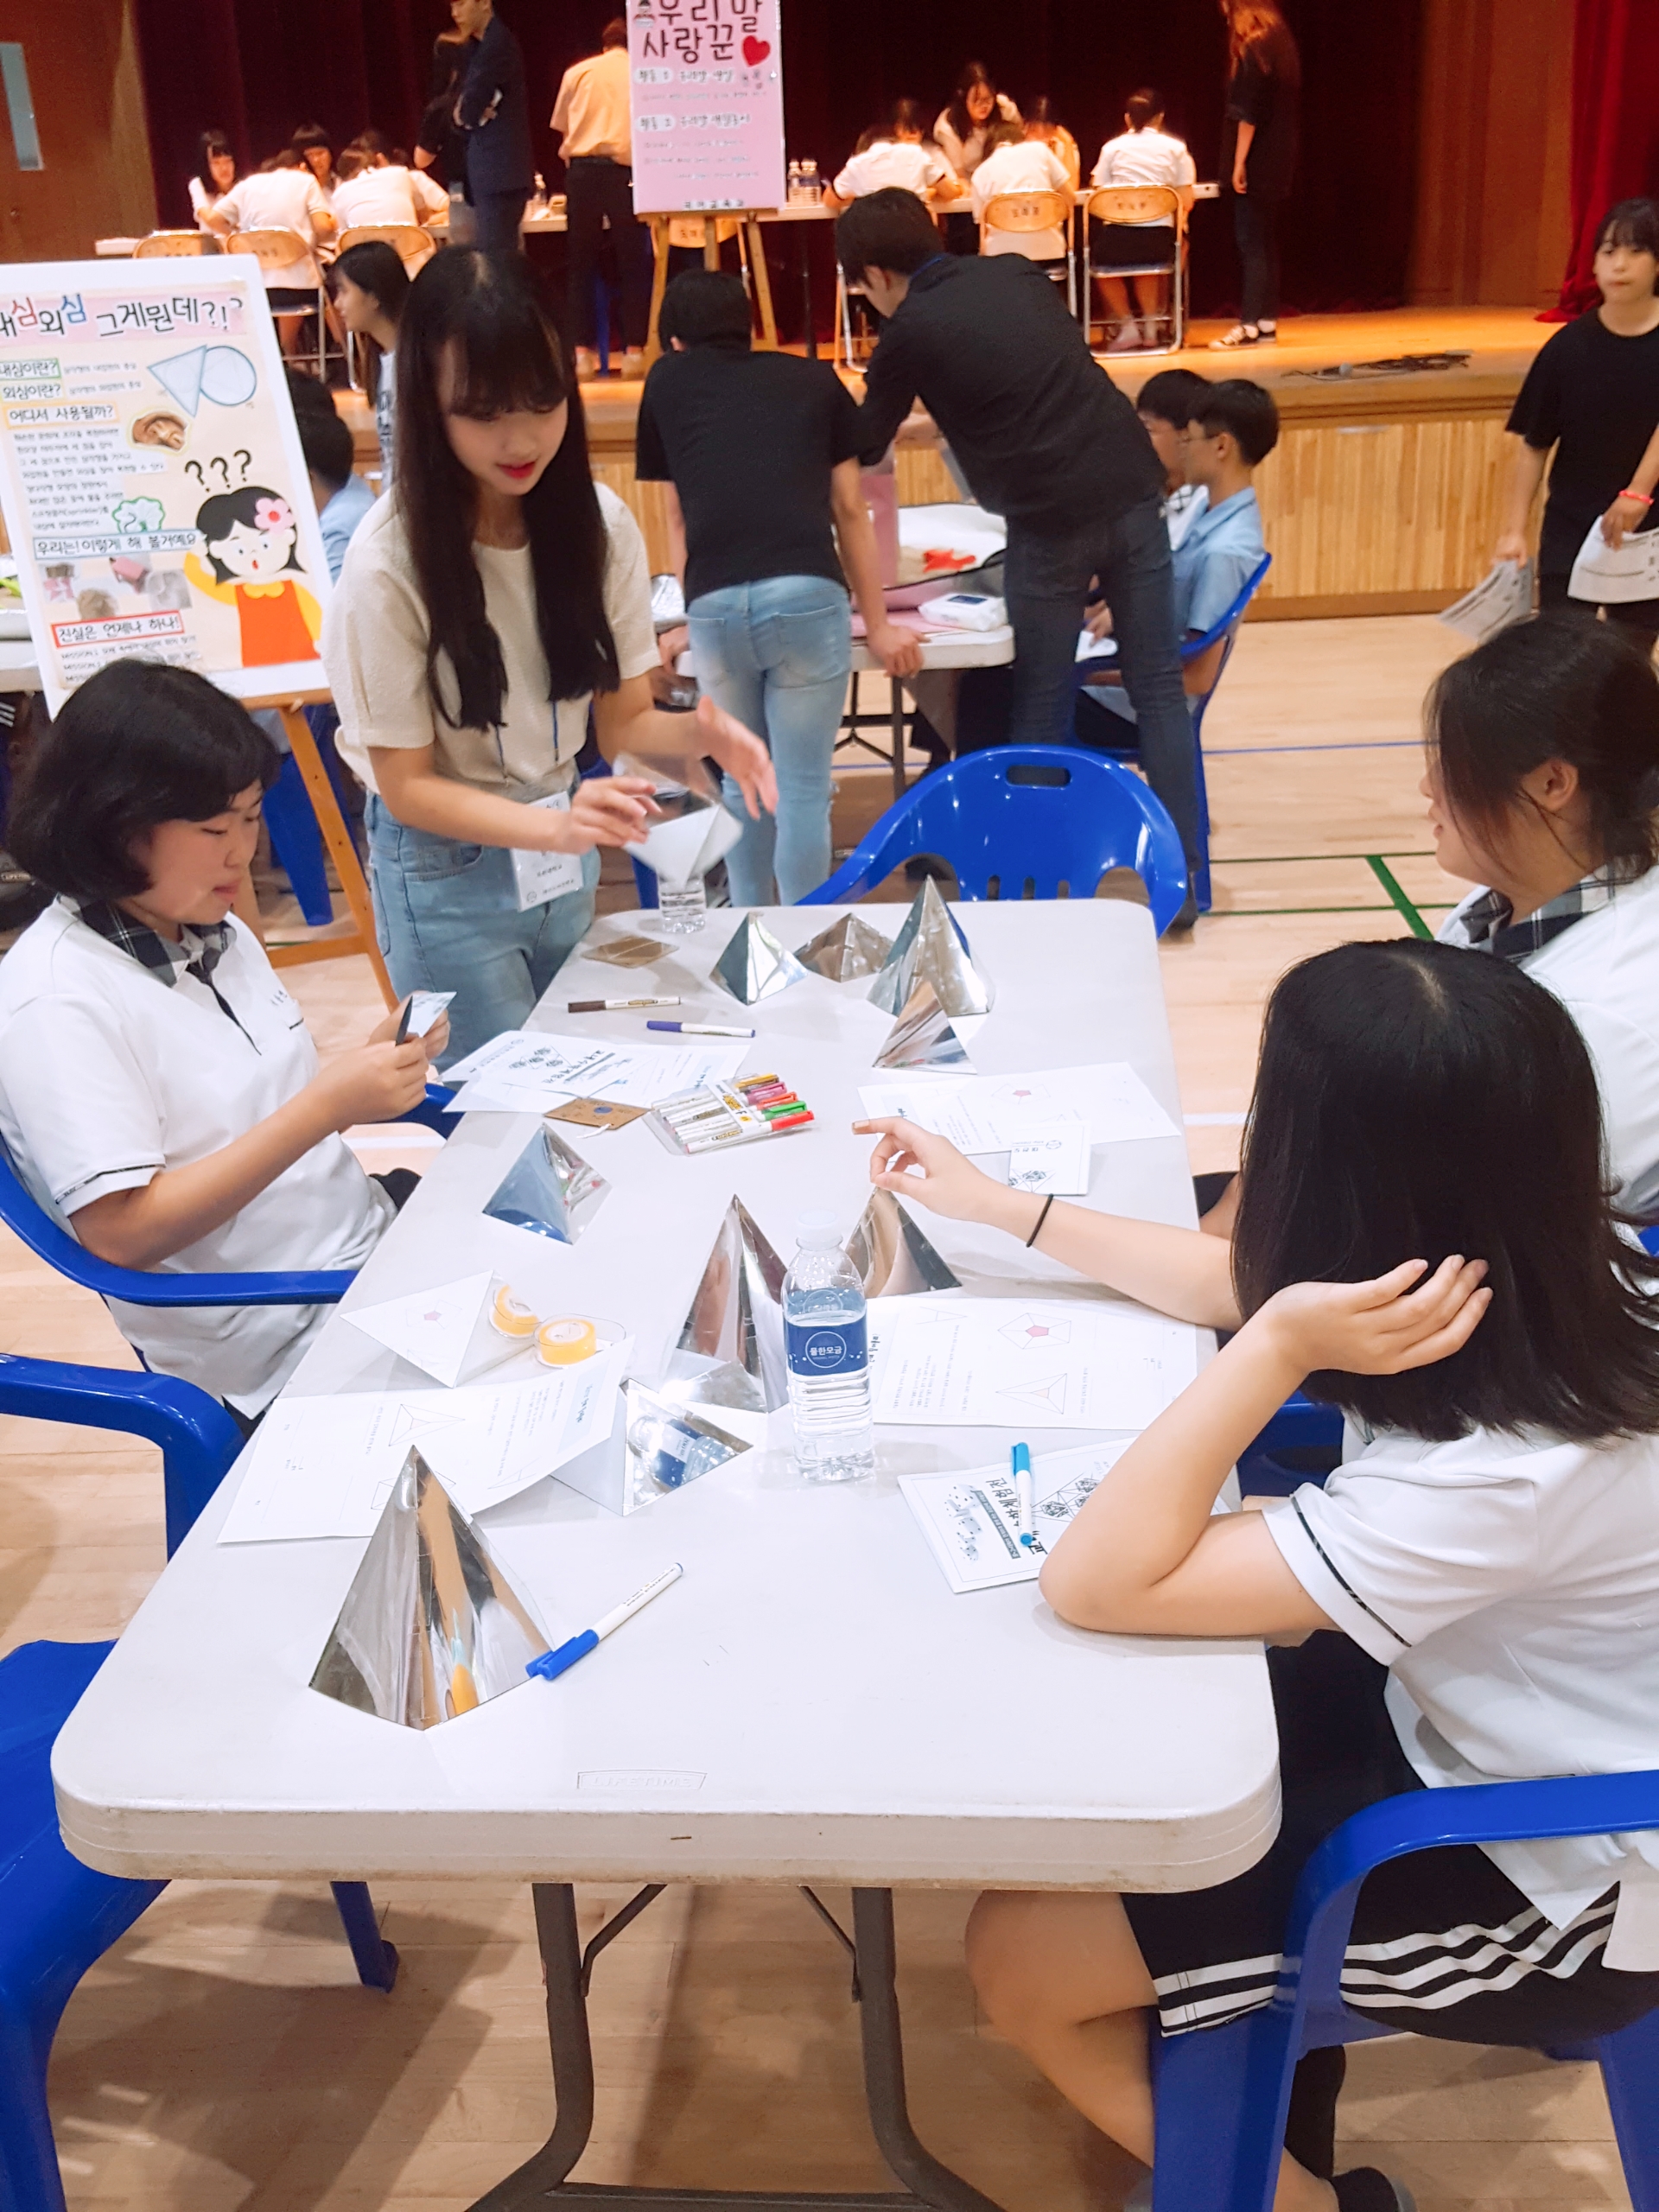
{"points": [[447, 917], [1046, 580], [777, 654]]}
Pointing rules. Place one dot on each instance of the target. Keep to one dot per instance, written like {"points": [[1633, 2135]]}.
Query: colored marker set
{"points": [[722, 1113]]}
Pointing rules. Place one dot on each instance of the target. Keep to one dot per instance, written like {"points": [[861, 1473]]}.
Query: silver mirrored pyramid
{"points": [[847, 949], [922, 1036], [894, 1258], [549, 1189], [430, 1627], [754, 965], [931, 945], [668, 1444], [731, 1347]]}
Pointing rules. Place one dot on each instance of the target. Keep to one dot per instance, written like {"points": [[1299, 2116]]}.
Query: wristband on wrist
{"points": [[1037, 1229], [1643, 497]]}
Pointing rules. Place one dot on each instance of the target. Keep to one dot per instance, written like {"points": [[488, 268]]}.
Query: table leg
{"points": [[659, 252]]}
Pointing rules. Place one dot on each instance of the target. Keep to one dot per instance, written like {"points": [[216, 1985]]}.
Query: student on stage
{"points": [[376, 192], [282, 195], [901, 154], [962, 131], [1040, 124], [370, 285], [215, 175], [1144, 154], [594, 118], [158, 1090], [1259, 149], [1015, 161], [483, 608], [1489, 1548], [314, 147], [1592, 394], [493, 110]]}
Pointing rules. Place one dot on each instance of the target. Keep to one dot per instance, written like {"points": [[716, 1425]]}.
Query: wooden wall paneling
{"points": [[89, 109]]}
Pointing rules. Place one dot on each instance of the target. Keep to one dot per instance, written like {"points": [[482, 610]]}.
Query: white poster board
{"points": [[707, 83], [154, 490]]}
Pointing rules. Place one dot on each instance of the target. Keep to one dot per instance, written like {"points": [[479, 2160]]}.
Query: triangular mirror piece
{"points": [[894, 1258], [430, 1627], [754, 965], [922, 1036], [670, 1445], [731, 1347], [549, 1190], [446, 1332], [931, 945], [847, 949]]}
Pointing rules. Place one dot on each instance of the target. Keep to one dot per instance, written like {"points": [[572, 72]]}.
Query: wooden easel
{"points": [[749, 218]]}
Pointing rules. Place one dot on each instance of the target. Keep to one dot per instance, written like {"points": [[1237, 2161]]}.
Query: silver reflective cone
{"points": [[754, 965], [931, 945], [430, 1627], [731, 1347], [668, 1444], [549, 1189], [922, 1037], [894, 1258], [847, 949]]}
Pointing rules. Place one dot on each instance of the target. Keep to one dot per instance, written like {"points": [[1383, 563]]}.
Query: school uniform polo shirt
{"points": [[1220, 549], [109, 1073]]}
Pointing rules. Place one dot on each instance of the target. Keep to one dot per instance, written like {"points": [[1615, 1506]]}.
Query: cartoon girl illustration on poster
{"points": [[251, 539]]}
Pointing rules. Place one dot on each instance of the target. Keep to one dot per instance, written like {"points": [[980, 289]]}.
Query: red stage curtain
{"points": [[1615, 124]]}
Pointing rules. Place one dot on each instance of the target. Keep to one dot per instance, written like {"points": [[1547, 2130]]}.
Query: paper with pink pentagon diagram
{"points": [[1018, 1364]]}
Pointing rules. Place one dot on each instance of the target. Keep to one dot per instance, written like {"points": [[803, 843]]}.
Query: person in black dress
{"points": [[1593, 395], [1258, 154]]}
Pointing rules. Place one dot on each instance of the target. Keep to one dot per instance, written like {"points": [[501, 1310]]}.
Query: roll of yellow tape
{"points": [[511, 1316], [562, 1343]]}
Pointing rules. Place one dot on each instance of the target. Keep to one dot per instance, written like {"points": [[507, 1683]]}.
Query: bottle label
{"points": [[842, 1349]]}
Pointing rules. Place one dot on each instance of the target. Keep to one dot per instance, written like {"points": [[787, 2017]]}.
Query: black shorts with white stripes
{"points": [[1443, 1943]]}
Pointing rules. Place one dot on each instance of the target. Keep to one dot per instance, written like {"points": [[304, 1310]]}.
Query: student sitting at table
{"points": [[1166, 403], [1144, 154], [1424, 1239], [370, 285], [314, 147], [1015, 161], [376, 192], [1040, 124], [159, 1092], [1234, 426], [215, 175], [903, 154], [282, 195]]}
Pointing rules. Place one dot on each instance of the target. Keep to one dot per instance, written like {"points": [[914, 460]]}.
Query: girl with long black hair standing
{"points": [[483, 609], [1259, 146]]}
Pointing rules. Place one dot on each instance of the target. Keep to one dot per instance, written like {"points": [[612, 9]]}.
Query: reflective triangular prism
{"points": [[894, 1258], [754, 965], [847, 949], [430, 1627], [549, 1190], [668, 1444], [931, 945], [731, 1347], [922, 1037]]}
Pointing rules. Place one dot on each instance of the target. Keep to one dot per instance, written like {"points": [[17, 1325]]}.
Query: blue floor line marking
{"points": [[1359, 745]]}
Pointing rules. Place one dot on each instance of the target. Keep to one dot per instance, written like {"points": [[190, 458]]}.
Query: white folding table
{"points": [[811, 1703]]}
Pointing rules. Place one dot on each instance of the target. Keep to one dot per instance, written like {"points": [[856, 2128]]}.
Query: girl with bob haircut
{"points": [[1424, 1239], [159, 1093], [495, 597]]}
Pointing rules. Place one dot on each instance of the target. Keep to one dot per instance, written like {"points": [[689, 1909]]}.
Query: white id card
{"points": [[538, 877]]}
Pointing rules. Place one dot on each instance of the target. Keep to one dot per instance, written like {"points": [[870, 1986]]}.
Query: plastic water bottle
{"points": [[827, 1342], [810, 186], [795, 195], [682, 908]]}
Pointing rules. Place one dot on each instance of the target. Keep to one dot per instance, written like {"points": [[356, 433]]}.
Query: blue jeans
{"points": [[776, 655], [447, 916]]}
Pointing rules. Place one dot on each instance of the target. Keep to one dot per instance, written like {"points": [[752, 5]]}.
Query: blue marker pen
{"points": [[699, 1029], [553, 1663], [1020, 1458]]}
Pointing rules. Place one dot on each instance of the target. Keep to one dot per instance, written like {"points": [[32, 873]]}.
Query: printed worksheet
{"points": [[988, 1113], [971, 1520], [523, 1072], [1007, 1363]]}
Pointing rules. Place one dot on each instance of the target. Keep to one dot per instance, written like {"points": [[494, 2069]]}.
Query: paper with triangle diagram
{"points": [[431, 1628], [731, 1347], [688, 844], [931, 945], [922, 1037], [848, 949], [444, 1331], [1001, 1363], [754, 965]]}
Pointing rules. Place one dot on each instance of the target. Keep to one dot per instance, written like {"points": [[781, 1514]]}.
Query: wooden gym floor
{"points": [[221, 2058]]}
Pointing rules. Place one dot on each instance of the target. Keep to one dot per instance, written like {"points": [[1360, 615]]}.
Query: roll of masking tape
{"points": [[511, 1317], [562, 1343]]}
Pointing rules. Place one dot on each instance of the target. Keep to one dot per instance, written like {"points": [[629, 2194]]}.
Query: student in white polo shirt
{"points": [[159, 1093], [1424, 1239]]}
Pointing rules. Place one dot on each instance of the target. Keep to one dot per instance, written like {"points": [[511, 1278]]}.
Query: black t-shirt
{"points": [[748, 441], [1594, 397], [1272, 102]]}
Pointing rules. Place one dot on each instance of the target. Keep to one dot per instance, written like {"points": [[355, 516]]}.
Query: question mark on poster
{"points": [[194, 467], [246, 460]]}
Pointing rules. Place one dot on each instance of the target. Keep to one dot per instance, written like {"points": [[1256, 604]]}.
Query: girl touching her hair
{"points": [[486, 606], [1424, 1239]]}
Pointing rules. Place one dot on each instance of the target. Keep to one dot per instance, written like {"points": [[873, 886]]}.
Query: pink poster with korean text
{"points": [[707, 89]]}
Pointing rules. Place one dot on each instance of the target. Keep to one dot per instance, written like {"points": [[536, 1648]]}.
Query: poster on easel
{"points": [[707, 86], [151, 477]]}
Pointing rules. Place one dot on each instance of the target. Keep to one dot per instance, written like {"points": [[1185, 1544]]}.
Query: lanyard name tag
{"points": [[538, 877]]}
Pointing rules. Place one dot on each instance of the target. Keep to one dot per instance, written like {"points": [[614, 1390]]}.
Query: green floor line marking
{"points": [[1386, 877]]}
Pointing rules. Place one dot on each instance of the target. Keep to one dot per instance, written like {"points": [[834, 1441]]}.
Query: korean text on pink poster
{"points": [[708, 85]]}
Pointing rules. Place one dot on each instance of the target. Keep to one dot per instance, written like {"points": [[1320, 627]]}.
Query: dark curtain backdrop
{"points": [[1615, 124], [259, 67]]}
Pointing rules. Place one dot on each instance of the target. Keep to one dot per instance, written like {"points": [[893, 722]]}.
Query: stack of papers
{"points": [[526, 1071], [971, 1520], [1010, 1363], [991, 1113]]}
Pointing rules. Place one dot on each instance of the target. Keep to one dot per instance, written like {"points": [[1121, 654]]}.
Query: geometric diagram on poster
{"points": [[549, 1190], [754, 965], [445, 1331], [221, 374], [731, 1345], [931, 945], [1051, 1393], [627, 951], [847, 949], [894, 1258], [1028, 1333], [430, 1627], [922, 1037], [669, 1443]]}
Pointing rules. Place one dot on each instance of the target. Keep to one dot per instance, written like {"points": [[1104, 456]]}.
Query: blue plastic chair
{"points": [[1223, 632], [1037, 820]]}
